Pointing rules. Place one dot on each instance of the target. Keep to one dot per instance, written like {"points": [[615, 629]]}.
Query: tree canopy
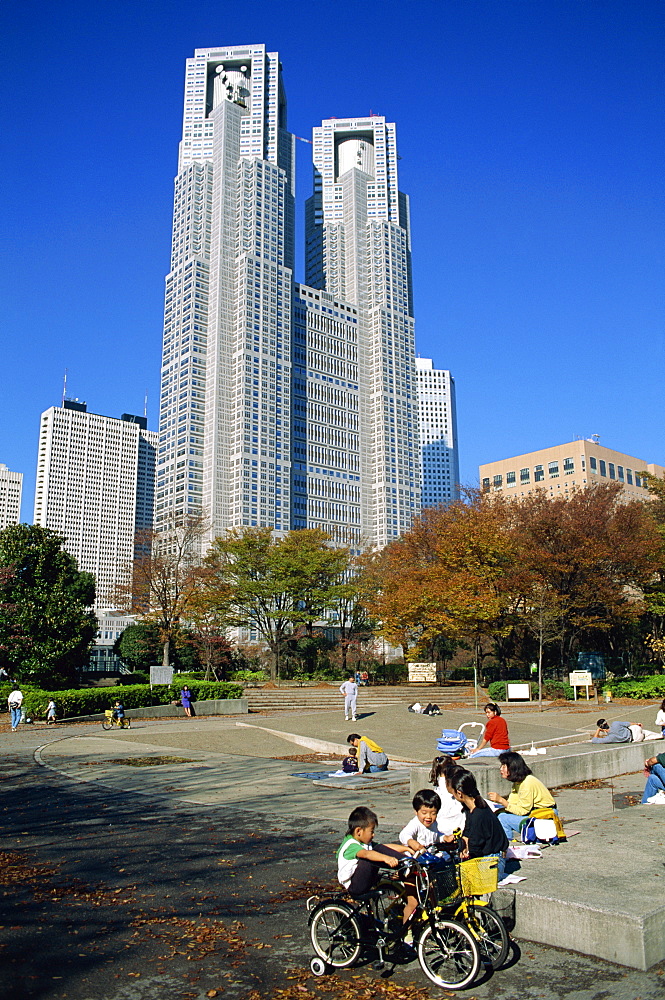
{"points": [[46, 626]]}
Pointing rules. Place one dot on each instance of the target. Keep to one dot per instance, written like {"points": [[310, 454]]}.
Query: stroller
{"points": [[455, 742]]}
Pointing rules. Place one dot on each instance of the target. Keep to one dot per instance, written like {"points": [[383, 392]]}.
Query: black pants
{"points": [[368, 873]]}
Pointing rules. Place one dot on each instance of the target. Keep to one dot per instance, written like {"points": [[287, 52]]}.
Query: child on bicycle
{"points": [[359, 860], [118, 711], [483, 833], [422, 831]]}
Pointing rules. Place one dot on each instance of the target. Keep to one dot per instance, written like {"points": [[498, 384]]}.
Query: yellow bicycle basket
{"points": [[479, 875]]}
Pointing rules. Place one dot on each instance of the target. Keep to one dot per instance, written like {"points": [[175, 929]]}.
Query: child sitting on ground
{"points": [[422, 831], [350, 762], [359, 860]]}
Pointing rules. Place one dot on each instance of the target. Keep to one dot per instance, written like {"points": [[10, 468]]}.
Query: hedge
{"points": [[94, 701], [648, 687], [552, 690]]}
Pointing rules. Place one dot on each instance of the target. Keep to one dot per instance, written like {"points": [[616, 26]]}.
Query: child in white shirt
{"points": [[451, 815], [422, 831]]}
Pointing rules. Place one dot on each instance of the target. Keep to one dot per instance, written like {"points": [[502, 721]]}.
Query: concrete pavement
{"points": [[601, 893]]}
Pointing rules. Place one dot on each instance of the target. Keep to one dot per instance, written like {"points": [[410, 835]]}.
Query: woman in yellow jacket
{"points": [[370, 755], [528, 793]]}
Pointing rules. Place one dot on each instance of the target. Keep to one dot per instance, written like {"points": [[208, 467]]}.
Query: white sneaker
{"points": [[658, 799], [346, 718]]}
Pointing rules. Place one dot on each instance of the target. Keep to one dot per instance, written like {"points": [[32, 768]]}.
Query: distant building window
{"points": [[498, 482], [629, 476], [638, 480], [620, 473], [486, 484], [553, 468], [612, 472], [593, 465], [525, 475], [510, 479], [538, 474], [568, 466], [603, 468]]}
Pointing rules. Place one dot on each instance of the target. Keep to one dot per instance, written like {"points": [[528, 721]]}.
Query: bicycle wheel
{"points": [[449, 955], [125, 724], [489, 929], [107, 725], [335, 934]]}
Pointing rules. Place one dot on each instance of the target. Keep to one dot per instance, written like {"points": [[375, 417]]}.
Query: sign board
{"points": [[580, 678], [518, 692], [422, 673], [160, 674]]}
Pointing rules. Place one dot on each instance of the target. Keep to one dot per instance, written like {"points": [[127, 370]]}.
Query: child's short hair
{"points": [[426, 797], [353, 751], [362, 817]]}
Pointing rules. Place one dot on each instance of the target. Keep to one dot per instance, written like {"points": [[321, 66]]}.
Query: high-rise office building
{"points": [[11, 486], [95, 487], [438, 434], [283, 404]]}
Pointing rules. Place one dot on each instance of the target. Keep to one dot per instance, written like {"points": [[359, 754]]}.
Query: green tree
{"points": [[139, 646], [271, 585], [46, 626]]}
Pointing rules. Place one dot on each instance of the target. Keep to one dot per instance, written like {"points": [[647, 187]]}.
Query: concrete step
{"points": [[327, 699]]}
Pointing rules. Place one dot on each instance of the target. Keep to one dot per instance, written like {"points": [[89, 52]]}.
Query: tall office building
{"points": [[438, 434], [284, 404], [11, 486], [95, 487]]}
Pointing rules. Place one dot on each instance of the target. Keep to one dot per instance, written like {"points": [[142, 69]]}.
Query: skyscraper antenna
{"points": [[64, 387], [145, 404]]}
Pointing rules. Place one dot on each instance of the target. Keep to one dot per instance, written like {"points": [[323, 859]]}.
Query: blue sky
{"points": [[532, 145]]}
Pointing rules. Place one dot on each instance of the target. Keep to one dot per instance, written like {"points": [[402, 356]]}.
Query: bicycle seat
{"points": [[364, 897]]}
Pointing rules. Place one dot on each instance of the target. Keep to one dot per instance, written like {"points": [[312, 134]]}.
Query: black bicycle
{"points": [[343, 927]]}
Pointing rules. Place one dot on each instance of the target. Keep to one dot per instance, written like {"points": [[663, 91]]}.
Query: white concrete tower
{"points": [[358, 248], [11, 486], [94, 487], [438, 434], [224, 433]]}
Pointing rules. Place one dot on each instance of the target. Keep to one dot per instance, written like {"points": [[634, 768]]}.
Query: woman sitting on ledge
{"points": [[528, 793], [495, 737]]}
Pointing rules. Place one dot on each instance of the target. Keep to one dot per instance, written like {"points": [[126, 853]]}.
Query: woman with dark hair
{"points": [[495, 737], [660, 717], [528, 793], [483, 834]]}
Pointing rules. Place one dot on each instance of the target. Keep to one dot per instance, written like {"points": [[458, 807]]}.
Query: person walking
{"points": [[350, 691], [14, 701]]}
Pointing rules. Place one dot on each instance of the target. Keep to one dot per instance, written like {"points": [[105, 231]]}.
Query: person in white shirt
{"points": [[422, 831], [660, 718], [451, 815], [14, 701], [350, 691]]}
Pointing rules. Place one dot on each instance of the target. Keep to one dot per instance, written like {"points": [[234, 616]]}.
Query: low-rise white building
{"points": [[11, 486]]}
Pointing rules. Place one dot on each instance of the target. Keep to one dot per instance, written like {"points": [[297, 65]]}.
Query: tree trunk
{"points": [[165, 653]]}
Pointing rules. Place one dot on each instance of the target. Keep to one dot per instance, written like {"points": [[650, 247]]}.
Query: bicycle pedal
{"points": [[378, 966]]}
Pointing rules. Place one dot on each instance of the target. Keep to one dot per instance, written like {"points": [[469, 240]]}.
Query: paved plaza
{"points": [[600, 892]]}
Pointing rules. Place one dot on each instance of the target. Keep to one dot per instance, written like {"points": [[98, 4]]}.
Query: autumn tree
{"points": [[654, 596], [592, 554], [163, 578], [46, 625], [443, 578]]}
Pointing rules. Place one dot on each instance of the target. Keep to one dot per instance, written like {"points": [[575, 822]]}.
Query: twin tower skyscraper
{"points": [[283, 404]]}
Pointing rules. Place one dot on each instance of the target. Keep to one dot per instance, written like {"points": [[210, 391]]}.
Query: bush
{"points": [[649, 687], [552, 690], [249, 677], [94, 701]]}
